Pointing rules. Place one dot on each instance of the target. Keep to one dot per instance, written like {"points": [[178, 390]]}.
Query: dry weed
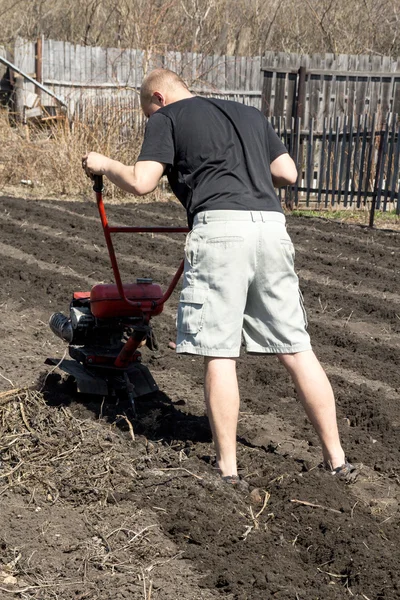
{"points": [[48, 450], [54, 459], [48, 157]]}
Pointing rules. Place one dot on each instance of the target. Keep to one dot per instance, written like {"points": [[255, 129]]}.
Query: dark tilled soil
{"points": [[88, 512]]}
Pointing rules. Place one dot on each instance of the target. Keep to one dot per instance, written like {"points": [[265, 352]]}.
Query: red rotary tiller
{"points": [[109, 324]]}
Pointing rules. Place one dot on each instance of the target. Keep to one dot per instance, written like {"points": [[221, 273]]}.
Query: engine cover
{"points": [[106, 303]]}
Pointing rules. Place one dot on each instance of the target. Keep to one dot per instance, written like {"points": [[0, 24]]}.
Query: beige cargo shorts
{"points": [[240, 284]]}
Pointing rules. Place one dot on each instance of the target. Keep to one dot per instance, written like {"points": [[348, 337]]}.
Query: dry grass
{"points": [[383, 220], [48, 157], [48, 450], [72, 473]]}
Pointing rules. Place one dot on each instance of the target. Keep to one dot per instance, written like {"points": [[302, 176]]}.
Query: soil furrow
{"points": [[352, 288], [17, 254], [85, 490]]}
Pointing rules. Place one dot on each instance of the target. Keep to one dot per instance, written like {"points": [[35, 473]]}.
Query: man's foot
{"points": [[346, 472], [236, 481]]}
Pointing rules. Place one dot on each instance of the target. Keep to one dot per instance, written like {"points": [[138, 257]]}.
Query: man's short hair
{"points": [[159, 80]]}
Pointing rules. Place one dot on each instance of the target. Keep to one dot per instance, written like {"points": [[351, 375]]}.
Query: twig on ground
{"points": [[5, 489], [182, 469], [25, 420], [255, 517], [52, 370], [114, 531], [328, 562], [387, 519], [349, 317], [352, 510], [332, 574], [66, 452], [8, 393], [101, 408], [279, 478], [323, 308], [138, 534], [164, 562], [305, 503], [132, 433], [6, 378], [267, 497], [39, 587], [159, 508], [144, 585], [12, 470], [246, 533], [71, 417]]}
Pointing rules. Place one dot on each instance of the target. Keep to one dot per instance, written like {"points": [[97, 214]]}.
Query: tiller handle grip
{"points": [[98, 183]]}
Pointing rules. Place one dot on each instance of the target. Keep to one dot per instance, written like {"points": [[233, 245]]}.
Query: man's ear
{"points": [[160, 98]]}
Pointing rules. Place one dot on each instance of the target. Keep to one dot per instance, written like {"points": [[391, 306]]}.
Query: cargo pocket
{"points": [[191, 310], [187, 242]]}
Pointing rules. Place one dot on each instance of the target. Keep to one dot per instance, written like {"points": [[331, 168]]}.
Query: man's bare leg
{"points": [[316, 395], [222, 400]]}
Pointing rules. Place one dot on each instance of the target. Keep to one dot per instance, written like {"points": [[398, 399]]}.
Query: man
{"points": [[223, 161]]}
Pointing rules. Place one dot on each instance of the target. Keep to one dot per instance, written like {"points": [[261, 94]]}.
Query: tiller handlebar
{"points": [[108, 230], [107, 325]]}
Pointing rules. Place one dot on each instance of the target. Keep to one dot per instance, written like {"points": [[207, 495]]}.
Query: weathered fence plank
{"points": [[370, 160], [337, 167]]}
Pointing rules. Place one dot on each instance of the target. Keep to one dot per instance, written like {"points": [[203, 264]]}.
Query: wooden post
{"points": [[38, 64], [299, 116], [19, 97], [301, 94], [266, 94], [377, 178]]}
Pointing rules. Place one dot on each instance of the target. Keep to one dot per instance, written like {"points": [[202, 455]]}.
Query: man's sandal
{"points": [[346, 472], [236, 481]]}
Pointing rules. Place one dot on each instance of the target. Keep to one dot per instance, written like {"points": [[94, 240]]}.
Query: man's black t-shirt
{"points": [[217, 152]]}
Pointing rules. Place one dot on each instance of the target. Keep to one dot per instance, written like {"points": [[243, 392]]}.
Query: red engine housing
{"points": [[106, 302]]}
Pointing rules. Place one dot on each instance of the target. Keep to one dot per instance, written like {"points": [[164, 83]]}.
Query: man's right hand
{"points": [[94, 163]]}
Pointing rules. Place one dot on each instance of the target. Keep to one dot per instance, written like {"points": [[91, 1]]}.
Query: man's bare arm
{"points": [[283, 171], [139, 179]]}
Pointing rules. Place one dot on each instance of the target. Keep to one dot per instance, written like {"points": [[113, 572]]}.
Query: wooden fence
{"points": [[350, 163], [331, 111], [88, 78], [318, 87], [331, 86]]}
